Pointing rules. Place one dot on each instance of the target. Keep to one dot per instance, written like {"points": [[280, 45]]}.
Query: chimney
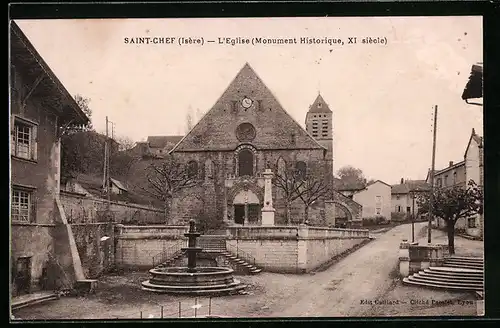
{"points": [[402, 180], [451, 163]]}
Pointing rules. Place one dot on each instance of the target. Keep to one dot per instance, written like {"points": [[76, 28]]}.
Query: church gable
{"points": [[247, 112]]}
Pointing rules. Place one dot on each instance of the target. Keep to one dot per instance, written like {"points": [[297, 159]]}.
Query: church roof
{"points": [[319, 106], [275, 128]]}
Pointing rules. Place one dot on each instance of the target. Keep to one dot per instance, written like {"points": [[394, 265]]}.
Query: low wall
{"points": [[414, 258], [82, 209], [136, 245], [292, 249]]}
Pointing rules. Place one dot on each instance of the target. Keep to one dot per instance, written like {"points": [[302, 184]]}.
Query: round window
{"points": [[245, 132]]}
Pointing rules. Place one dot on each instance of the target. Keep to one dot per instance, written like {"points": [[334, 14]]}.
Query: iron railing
{"points": [[212, 243], [169, 253], [235, 250]]}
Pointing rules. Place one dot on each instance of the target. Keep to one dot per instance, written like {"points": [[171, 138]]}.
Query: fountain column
{"points": [[268, 209], [192, 250]]}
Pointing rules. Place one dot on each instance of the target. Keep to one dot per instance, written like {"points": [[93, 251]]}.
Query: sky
{"points": [[382, 95]]}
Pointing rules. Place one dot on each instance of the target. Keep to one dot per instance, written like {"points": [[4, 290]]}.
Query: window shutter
{"points": [[34, 142], [32, 217]]}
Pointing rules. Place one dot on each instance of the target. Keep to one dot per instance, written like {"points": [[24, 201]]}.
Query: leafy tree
{"points": [[73, 128], [351, 176], [165, 178], [451, 204]]}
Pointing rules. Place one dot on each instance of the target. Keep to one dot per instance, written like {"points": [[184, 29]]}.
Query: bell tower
{"points": [[319, 124]]}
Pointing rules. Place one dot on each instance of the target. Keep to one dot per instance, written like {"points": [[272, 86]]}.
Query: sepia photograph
{"points": [[278, 167]]}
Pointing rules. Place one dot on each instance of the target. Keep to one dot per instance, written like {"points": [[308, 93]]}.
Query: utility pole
{"points": [[107, 146], [431, 214], [413, 217]]}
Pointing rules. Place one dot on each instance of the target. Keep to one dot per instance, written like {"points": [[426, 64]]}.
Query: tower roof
{"points": [[319, 106]]}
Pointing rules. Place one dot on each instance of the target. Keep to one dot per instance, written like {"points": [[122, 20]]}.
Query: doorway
{"points": [[239, 214], [22, 278]]}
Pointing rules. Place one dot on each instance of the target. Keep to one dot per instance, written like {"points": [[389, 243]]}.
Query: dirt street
{"points": [[344, 289]]}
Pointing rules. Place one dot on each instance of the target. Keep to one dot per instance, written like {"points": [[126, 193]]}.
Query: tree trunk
{"points": [[288, 214], [306, 214], [167, 206], [450, 227]]}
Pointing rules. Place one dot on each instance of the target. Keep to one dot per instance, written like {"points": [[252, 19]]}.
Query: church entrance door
{"points": [[239, 214]]}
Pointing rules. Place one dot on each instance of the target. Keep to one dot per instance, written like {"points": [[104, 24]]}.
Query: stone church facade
{"points": [[245, 132]]}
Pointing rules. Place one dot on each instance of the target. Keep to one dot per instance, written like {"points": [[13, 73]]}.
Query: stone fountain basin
{"points": [[179, 276]]}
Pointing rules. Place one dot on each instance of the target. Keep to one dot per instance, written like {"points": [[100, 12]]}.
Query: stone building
{"points": [[246, 131], [39, 106]]}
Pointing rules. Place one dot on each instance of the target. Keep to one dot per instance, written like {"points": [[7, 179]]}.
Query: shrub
{"points": [[398, 216]]}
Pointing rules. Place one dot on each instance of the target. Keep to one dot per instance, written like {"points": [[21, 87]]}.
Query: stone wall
{"points": [[82, 209], [96, 254], [137, 245], [279, 249]]}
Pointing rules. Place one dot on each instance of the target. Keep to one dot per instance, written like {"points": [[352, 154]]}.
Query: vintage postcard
{"points": [[246, 168]]}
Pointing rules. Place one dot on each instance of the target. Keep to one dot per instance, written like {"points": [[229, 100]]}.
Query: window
{"points": [[301, 168], [245, 162], [378, 200], [319, 105], [471, 222], [281, 166], [445, 180], [398, 208], [454, 178], [378, 211], [439, 182], [21, 206], [24, 143], [192, 169], [209, 174]]}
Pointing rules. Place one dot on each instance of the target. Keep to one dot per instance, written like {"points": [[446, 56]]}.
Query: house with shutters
{"points": [[39, 106]]}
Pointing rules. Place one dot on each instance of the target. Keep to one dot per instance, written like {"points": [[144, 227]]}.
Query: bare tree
{"points": [[308, 186], [289, 182], [312, 189], [167, 177], [125, 143], [189, 119]]}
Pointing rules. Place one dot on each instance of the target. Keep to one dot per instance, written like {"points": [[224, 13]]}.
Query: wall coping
{"points": [[112, 202], [30, 224]]}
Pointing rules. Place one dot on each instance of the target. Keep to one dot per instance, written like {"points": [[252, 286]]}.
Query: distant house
{"points": [[117, 187], [459, 174], [375, 198], [40, 234], [157, 146], [405, 194]]}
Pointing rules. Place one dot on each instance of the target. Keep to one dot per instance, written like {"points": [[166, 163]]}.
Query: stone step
{"points": [[467, 259], [479, 264], [465, 266], [449, 279], [30, 300], [451, 276], [478, 275], [464, 286], [438, 285], [255, 271], [464, 271]]}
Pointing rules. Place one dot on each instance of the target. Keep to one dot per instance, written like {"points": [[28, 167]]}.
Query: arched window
{"points": [[209, 170], [192, 169], [281, 166], [301, 169], [245, 162]]}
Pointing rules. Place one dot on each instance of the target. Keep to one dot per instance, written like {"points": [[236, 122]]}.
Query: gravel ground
{"points": [[363, 284]]}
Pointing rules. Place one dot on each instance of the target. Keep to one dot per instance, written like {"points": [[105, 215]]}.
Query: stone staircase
{"points": [[168, 262], [457, 273], [247, 267]]}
